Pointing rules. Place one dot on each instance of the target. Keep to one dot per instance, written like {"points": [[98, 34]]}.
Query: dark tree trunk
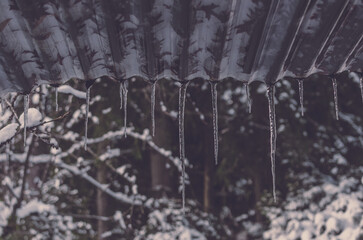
{"points": [[101, 202], [161, 181], [208, 166], [257, 192]]}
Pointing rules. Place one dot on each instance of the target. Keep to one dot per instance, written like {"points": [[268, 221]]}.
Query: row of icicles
{"points": [[182, 96]]}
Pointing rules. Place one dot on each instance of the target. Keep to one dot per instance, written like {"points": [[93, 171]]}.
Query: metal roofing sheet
{"points": [[52, 41]]}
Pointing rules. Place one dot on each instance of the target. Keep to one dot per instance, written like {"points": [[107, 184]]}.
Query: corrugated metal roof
{"points": [[52, 41]]}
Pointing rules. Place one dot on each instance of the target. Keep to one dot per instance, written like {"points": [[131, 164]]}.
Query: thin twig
{"points": [[12, 111], [11, 190], [12, 219]]}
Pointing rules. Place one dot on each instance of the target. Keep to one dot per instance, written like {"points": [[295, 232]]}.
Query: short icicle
{"points": [[86, 120], [249, 102], [124, 90], [153, 85], [56, 99], [301, 95], [335, 89], [26, 108], [182, 96], [273, 135], [361, 85], [215, 119]]}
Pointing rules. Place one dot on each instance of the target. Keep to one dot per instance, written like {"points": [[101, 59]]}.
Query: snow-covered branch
{"points": [[134, 200]]}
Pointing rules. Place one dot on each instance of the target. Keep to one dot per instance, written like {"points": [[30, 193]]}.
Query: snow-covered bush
{"points": [[329, 209], [167, 222]]}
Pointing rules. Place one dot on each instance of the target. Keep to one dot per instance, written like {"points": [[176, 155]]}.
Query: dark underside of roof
{"points": [[52, 41]]}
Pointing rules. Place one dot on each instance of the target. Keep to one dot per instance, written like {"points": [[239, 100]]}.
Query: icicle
{"points": [[121, 97], [215, 119], [3, 104], [361, 85], [153, 108], [248, 98], [272, 120], [124, 90], [26, 107], [335, 89], [301, 96], [43, 94], [8, 152], [2, 101], [86, 121], [182, 96], [56, 99]]}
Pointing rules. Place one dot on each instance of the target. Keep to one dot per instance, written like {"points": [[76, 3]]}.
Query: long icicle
{"points": [[249, 102], [361, 85], [301, 95], [153, 85], [335, 89], [182, 96], [86, 120], [215, 119], [124, 89], [56, 99], [273, 135], [43, 94], [121, 92], [26, 108], [2, 101]]}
